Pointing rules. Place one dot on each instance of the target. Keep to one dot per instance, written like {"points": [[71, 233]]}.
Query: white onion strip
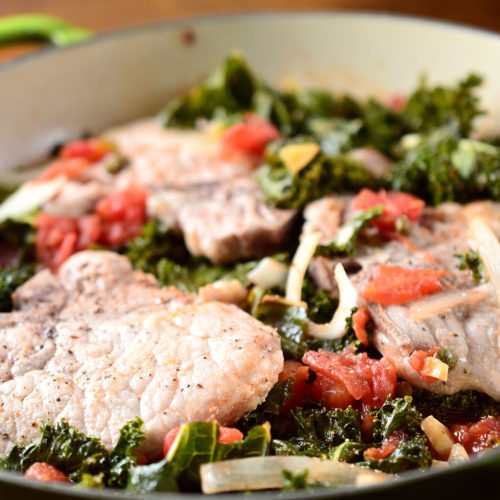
{"points": [[269, 273], [348, 298], [488, 247], [262, 473], [298, 267], [445, 301]]}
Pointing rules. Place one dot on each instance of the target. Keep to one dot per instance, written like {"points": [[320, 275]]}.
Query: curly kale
{"points": [[472, 261], [322, 176], [77, 455], [11, 279], [463, 406], [157, 250]]}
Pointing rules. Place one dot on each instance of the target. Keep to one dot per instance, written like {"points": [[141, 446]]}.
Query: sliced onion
{"points": [[438, 435], [269, 273], [444, 302], [434, 367], [301, 259], [29, 197], [458, 454], [348, 298], [262, 473]]}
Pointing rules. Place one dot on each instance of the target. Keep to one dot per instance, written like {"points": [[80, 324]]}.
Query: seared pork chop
{"points": [[99, 344]]}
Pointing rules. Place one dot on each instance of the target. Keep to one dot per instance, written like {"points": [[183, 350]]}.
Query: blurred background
{"points": [[102, 15]]}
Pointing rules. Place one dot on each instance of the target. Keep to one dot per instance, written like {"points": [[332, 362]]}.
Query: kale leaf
{"points": [[472, 261], [80, 457], [346, 238], [322, 176], [157, 250], [463, 406], [10, 279], [196, 444]]}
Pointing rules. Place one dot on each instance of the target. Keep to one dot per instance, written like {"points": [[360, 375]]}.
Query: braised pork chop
{"points": [[470, 329], [100, 344]]}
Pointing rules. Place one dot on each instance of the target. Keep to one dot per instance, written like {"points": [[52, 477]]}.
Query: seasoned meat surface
{"points": [[100, 344], [225, 222]]}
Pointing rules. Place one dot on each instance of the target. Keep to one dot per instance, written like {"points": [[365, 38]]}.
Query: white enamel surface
{"points": [[59, 95]]}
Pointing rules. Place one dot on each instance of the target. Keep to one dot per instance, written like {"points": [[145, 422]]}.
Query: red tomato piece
{"points": [[331, 393], [367, 380], [359, 320], [251, 136], [300, 375], [479, 436], [417, 361], [367, 421], [71, 167], [47, 473], [388, 446], [57, 238], [229, 435], [396, 203], [122, 214], [397, 102], [226, 435], [90, 149], [397, 285]]}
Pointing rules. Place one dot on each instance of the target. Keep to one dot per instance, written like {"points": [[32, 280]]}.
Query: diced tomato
{"points": [[367, 380], [396, 102], [71, 167], [359, 320], [330, 393], [226, 435], [122, 214], [388, 446], [417, 361], [229, 435], [57, 238], [397, 285], [479, 436], [89, 149], [47, 473], [251, 136], [300, 375], [396, 203]]}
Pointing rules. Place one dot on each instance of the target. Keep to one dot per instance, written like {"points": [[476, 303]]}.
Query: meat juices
{"points": [[99, 344]]}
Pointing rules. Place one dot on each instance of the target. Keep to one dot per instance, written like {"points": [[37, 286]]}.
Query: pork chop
{"points": [[99, 344]]}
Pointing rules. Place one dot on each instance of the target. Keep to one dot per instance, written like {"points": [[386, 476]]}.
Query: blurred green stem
{"points": [[26, 27]]}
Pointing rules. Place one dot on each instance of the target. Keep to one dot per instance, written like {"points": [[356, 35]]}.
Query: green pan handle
{"points": [[28, 27]]}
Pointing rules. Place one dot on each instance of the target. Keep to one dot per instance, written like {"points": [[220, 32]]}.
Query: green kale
{"points": [[297, 481], [196, 444], [10, 279], [322, 176], [433, 107], [346, 238], [472, 261], [231, 90], [463, 406], [396, 415], [334, 135], [413, 453], [80, 457], [321, 306], [157, 250], [441, 167]]}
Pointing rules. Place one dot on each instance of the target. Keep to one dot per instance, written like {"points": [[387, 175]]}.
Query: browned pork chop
{"points": [[100, 344]]}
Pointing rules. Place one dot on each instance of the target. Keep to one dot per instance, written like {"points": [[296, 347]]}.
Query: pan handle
{"points": [[40, 27]]}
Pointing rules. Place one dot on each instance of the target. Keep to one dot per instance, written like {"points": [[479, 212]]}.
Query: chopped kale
{"points": [[433, 107], [411, 454], [461, 407], [157, 250], [441, 167], [196, 444], [323, 175], [80, 457], [396, 415], [346, 238], [295, 481], [472, 261]]}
